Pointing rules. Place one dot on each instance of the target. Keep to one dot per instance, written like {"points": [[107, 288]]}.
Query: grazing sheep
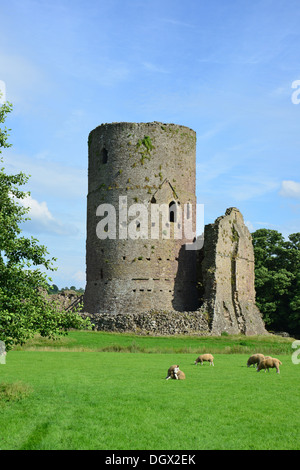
{"points": [[255, 359], [266, 357], [269, 363], [172, 372], [205, 357]]}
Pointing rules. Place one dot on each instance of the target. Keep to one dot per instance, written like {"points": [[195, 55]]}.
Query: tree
{"points": [[53, 289], [277, 279], [293, 248], [25, 308]]}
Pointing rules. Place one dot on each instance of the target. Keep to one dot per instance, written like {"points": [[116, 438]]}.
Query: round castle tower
{"points": [[141, 211]]}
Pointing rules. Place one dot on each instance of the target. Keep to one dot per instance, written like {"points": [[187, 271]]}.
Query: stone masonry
{"points": [[145, 166], [153, 284], [226, 277]]}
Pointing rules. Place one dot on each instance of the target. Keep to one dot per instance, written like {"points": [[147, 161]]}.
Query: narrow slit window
{"points": [[188, 211], [104, 155], [172, 211]]}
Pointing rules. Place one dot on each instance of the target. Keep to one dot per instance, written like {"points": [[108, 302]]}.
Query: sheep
{"points": [[255, 359], [172, 372], [205, 357], [262, 359], [180, 375], [269, 363], [175, 373]]}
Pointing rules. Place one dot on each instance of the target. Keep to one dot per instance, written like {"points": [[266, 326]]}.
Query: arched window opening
{"points": [[172, 211], [104, 155], [153, 200]]}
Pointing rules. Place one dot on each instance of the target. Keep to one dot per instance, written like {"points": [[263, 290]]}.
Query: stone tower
{"points": [[141, 212]]}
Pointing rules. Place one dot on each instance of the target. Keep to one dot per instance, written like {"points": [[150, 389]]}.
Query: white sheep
{"points": [[269, 363], [255, 359], [205, 357]]}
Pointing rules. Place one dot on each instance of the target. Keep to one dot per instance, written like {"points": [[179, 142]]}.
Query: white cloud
{"points": [[42, 221], [154, 68], [38, 210], [79, 277], [290, 189], [249, 225]]}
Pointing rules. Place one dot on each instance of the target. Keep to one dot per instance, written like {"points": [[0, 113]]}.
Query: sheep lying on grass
{"points": [[255, 359], [175, 373], [205, 357], [269, 363], [172, 372], [180, 375]]}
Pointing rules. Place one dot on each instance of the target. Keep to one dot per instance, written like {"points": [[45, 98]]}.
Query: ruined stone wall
{"points": [[154, 322], [148, 164], [66, 300], [227, 276]]}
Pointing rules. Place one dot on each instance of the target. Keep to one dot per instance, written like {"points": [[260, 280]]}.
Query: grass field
{"points": [[78, 396], [120, 342]]}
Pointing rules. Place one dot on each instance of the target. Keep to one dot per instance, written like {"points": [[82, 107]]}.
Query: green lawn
{"points": [[120, 400], [121, 342]]}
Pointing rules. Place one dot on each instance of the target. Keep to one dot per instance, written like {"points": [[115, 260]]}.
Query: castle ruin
{"points": [[144, 270]]}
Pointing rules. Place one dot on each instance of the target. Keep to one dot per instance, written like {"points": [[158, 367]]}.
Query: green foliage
{"points": [[147, 146], [24, 309], [53, 289], [146, 142], [277, 279], [235, 236], [4, 110]]}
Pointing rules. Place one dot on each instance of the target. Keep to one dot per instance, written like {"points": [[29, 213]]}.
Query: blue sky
{"points": [[223, 68]]}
